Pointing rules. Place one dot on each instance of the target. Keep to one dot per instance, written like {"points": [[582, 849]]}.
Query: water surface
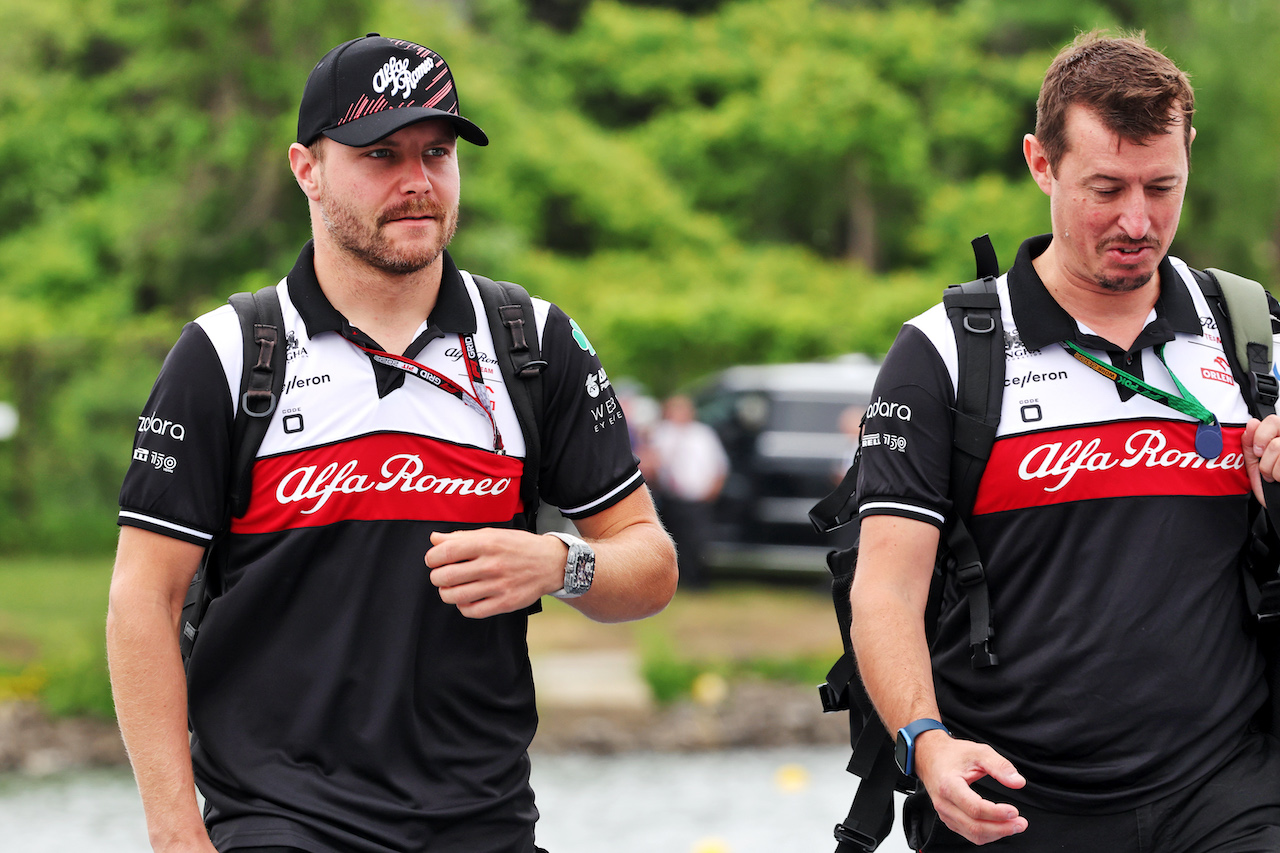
{"points": [[737, 801]]}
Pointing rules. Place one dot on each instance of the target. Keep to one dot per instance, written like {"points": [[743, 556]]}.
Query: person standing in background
{"points": [[691, 467]]}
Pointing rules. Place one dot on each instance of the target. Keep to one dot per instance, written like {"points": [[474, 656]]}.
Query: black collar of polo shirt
{"points": [[453, 312], [1042, 321]]}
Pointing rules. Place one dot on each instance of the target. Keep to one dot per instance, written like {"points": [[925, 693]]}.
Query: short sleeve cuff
{"points": [[613, 496], [901, 508], [163, 526]]}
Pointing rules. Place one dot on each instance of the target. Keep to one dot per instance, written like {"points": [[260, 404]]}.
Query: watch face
{"points": [[901, 753], [578, 579]]}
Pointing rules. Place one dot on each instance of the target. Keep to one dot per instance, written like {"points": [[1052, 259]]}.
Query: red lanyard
{"points": [[477, 398]]}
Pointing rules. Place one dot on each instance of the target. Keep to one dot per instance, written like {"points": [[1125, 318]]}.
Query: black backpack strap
{"points": [[515, 342], [871, 814], [261, 386], [974, 311], [839, 508]]}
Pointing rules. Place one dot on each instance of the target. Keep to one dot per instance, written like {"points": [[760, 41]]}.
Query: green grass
{"points": [[672, 676], [52, 623], [53, 614]]}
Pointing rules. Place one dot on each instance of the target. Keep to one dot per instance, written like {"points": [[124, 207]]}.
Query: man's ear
{"points": [[306, 168], [1038, 163]]}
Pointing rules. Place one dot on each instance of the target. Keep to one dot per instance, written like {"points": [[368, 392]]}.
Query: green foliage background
{"points": [[699, 183]]}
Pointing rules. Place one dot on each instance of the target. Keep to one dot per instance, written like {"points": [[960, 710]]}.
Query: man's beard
{"points": [[370, 244], [1117, 284], [1124, 283]]}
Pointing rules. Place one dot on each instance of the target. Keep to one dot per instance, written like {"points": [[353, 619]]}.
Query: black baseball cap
{"points": [[368, 88]]}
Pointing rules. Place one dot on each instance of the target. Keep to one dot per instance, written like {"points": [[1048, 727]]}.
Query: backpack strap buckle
{"points": [[970, 574], [512, 317], [851, 835], [532, 369], [1269, 604], [1266, 388], [832, 699]]}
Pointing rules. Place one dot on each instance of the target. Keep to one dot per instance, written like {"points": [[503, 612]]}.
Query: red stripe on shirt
{"points": [[382, 477], [1126, 459]]}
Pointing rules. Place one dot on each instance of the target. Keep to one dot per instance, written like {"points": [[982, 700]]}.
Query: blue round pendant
{"points": [[1209, 440]]}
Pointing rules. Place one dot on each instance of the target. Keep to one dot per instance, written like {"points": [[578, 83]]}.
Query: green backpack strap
{"points": [[1250, 318], [1248, 336]]}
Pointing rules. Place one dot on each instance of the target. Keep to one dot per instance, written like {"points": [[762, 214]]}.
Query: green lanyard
{"points": [[1208, 432]]}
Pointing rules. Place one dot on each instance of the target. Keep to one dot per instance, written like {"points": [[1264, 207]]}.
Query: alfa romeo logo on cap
{"points": [[396, 74]]}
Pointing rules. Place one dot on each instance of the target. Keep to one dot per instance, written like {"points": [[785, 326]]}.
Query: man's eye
{"points": [[379, 153]]}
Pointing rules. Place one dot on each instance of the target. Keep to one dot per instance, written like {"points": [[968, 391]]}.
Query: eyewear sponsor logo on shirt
{"points": [[607, 413], [1126, 459]]}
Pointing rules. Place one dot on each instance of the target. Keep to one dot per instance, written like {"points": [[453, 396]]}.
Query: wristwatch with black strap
{"points": [[904, 748], [579, 566]]}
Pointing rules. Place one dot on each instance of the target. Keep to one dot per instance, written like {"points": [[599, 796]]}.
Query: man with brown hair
{"points": [[1122, 713]]}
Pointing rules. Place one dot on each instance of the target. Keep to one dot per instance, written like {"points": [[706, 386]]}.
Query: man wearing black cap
{"points": [[348, 693]]}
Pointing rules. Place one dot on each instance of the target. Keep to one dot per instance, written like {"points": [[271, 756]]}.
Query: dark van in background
{"points": [[781, 428]]}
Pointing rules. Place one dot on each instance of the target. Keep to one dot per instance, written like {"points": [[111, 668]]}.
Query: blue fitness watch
{"points": [[904, 748]]}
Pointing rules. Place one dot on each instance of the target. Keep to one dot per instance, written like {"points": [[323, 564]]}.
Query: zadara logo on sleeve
{"points": [[882, 408], [159, 426]]}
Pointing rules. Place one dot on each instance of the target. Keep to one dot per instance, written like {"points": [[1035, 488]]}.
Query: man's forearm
{"points": [[893, 659], [635, 574], [151, 705], [890, 590], [150, 579]]}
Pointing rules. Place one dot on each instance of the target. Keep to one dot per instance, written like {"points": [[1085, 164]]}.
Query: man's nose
{"points": [[1135, 218]]}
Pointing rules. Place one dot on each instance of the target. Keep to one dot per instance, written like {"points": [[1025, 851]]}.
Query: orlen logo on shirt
{"points": [[382, 477], [1124, 459]]}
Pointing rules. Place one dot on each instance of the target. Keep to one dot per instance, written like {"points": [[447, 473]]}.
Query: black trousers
{"points": [[1235, 809], [689, 523]]}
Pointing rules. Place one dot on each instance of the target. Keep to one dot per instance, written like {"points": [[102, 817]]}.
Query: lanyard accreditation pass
{"points": [[477, 398], [1208, 431]]}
